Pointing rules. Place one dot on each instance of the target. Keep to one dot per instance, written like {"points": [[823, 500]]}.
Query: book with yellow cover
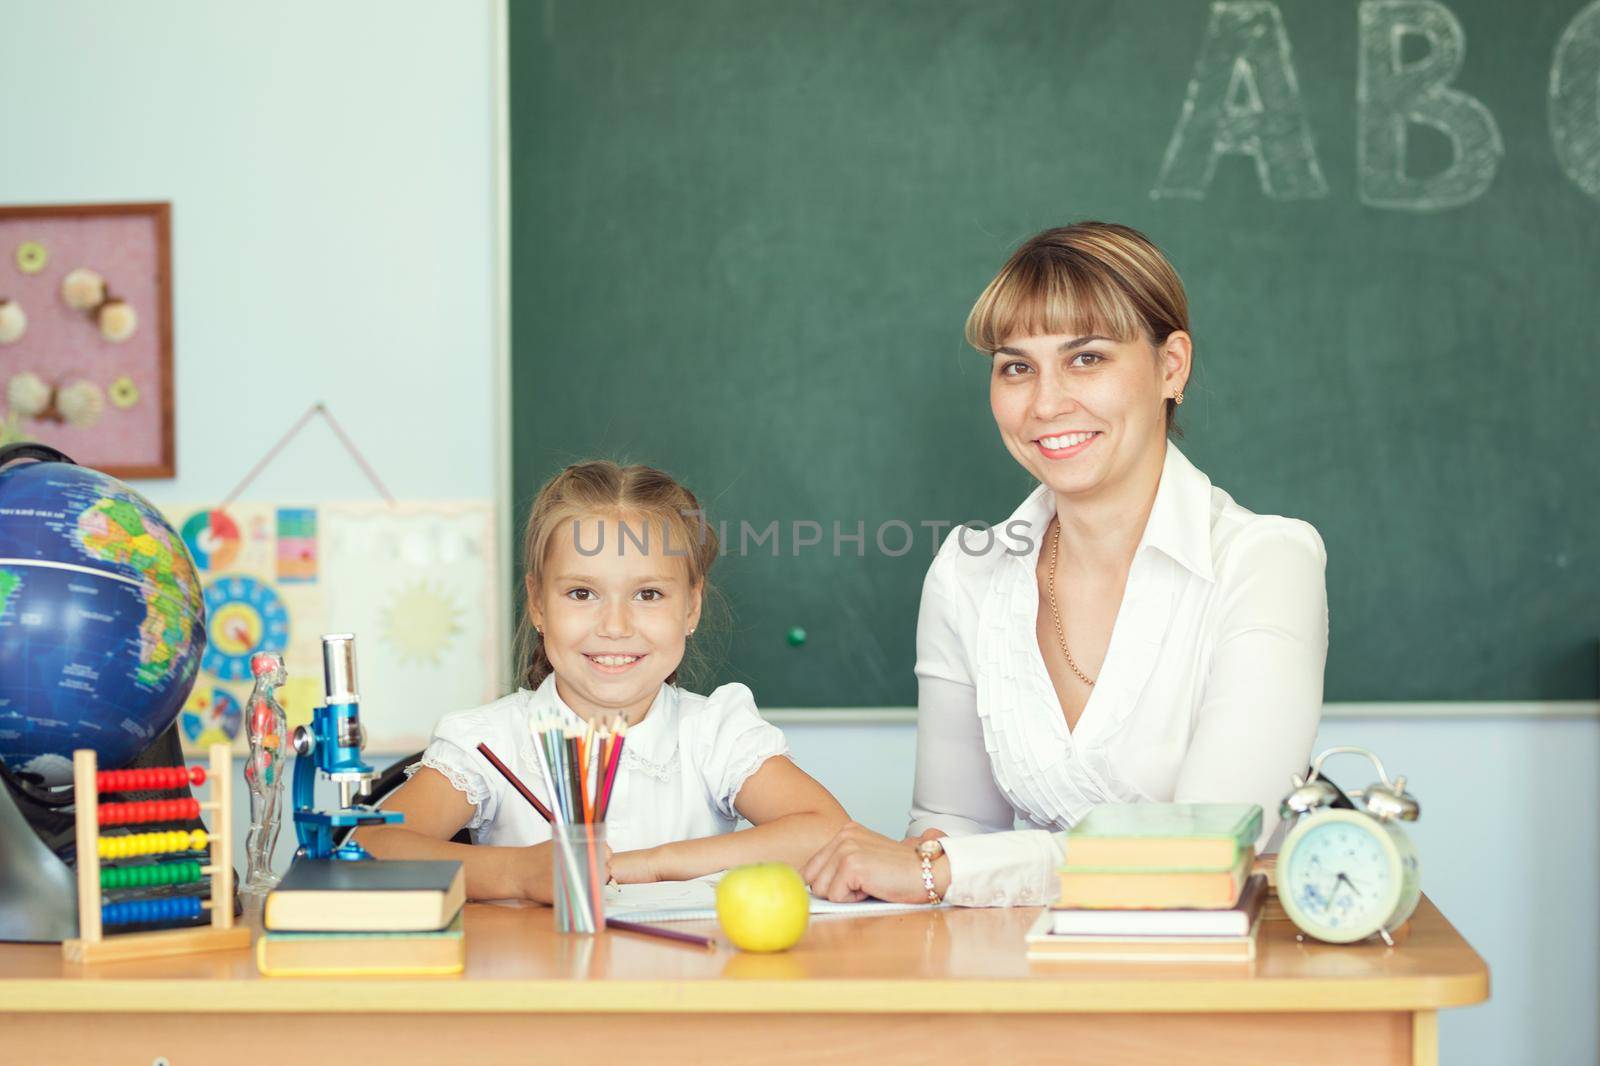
{"points": [[1123, 888], [441, 951], [1188, 922], [1164, 836]]}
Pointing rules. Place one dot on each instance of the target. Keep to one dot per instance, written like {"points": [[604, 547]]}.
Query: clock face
{"points": [[1343, 877]]}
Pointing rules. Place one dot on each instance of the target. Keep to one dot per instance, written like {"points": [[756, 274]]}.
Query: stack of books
{"points": [[372, 917], [1161, 882]]}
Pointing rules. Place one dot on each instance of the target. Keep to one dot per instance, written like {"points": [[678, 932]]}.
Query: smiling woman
{"points": [[1135, 635]]}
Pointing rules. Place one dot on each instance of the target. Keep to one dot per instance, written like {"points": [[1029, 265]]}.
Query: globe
{"points": [[102, 621]]}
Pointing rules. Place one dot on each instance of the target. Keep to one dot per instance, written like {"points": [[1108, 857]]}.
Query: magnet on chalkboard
{"points": [[797, 636]]}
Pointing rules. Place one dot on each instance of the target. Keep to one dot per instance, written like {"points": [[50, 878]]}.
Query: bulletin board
{"points": [[86, 333]]}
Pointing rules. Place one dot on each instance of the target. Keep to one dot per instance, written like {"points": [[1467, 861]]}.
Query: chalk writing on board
{"points": [[1243, 99], [1392, 95], [1575, 100]]}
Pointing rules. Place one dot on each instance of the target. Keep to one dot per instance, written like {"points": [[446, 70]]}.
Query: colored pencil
{"points": [[655, 930], [505, 772]]}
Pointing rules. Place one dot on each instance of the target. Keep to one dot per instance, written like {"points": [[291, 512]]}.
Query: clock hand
{"points": [[1347, 881]]}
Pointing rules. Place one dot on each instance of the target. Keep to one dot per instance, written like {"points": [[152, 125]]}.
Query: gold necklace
{"points": [[1055, 612]]}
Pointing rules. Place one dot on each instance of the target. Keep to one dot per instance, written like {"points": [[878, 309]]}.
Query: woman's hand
{"points": [[927, 834], [858, 863], [635, 867]]}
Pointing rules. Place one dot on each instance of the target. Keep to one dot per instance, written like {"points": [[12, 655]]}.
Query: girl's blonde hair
{"points": [[659, 504], [1086, 278]]}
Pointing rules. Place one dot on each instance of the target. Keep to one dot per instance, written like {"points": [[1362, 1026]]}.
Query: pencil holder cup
{"points": [[579, 873]]}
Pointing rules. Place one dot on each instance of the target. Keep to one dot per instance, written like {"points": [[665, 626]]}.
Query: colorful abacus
{"points": [[95, 914]]}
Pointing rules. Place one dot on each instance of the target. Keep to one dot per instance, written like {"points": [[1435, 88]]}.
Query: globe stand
{"points": [[38, 850], [38, 891]]}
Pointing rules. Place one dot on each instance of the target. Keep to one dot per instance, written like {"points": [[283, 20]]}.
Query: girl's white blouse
{"points": [[681, 768], [1210, 691]]}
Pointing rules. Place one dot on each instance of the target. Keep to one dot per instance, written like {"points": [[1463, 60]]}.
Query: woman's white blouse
{"points": [[1210, 691], [681, 769]]}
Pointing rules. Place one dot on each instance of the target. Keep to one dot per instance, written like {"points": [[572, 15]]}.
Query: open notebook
{"points": [[687, 901]]}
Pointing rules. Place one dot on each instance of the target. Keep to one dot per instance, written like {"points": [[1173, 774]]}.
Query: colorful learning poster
{"points": [[415, 582]]}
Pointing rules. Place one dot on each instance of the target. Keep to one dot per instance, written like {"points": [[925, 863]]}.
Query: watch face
{"points": [[1342, 879]]}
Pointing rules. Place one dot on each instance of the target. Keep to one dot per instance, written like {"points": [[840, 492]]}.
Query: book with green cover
{"points": [[438, 951], [1171, 837]]}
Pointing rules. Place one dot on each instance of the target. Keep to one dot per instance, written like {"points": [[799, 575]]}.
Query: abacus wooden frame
{"points": [[91, 945]]}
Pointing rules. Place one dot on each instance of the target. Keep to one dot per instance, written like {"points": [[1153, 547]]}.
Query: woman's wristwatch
{"points": [[930, 850]]}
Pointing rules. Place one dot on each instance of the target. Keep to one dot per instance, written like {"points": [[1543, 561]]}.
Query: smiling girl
{"points": [[616, 563]]}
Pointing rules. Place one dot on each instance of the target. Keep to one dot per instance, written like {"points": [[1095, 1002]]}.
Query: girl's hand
{"points": [[537, 870], [635, 867], [534, 872]]}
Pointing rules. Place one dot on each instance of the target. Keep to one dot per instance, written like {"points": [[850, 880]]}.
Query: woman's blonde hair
{"points": [[602, 488], [1086, 278]]}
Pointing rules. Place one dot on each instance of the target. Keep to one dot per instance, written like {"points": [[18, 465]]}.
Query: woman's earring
{"points": [[690, 633], [1177, 398]]}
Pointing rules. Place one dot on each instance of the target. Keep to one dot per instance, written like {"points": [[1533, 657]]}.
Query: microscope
{"points": [[331, 746]]}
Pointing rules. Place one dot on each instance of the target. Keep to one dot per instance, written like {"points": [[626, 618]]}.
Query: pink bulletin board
{"points": [[106, 403]]}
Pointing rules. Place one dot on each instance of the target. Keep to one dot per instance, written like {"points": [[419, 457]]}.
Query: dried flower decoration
{"points": [[83, 290], [13, 322]]}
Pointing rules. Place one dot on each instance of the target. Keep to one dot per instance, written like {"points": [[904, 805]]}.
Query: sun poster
{"points": [[414, 581]]}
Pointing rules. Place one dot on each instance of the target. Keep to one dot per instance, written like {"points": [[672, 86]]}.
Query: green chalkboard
{"points": [[746, 234]]}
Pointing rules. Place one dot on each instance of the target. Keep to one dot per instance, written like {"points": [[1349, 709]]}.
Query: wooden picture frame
{"points": [[130, 246]]}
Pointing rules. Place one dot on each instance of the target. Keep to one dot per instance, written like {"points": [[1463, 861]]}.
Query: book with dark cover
{"points": [[333, 895]]}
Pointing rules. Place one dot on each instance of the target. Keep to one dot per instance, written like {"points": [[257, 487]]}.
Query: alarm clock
{"points": [[1345, 875]]}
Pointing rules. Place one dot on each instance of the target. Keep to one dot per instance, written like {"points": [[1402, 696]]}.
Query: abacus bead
{"points": [[197, 775]]}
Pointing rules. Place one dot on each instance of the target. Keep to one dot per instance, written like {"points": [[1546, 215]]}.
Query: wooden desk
{"points": [[947, 986]]}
